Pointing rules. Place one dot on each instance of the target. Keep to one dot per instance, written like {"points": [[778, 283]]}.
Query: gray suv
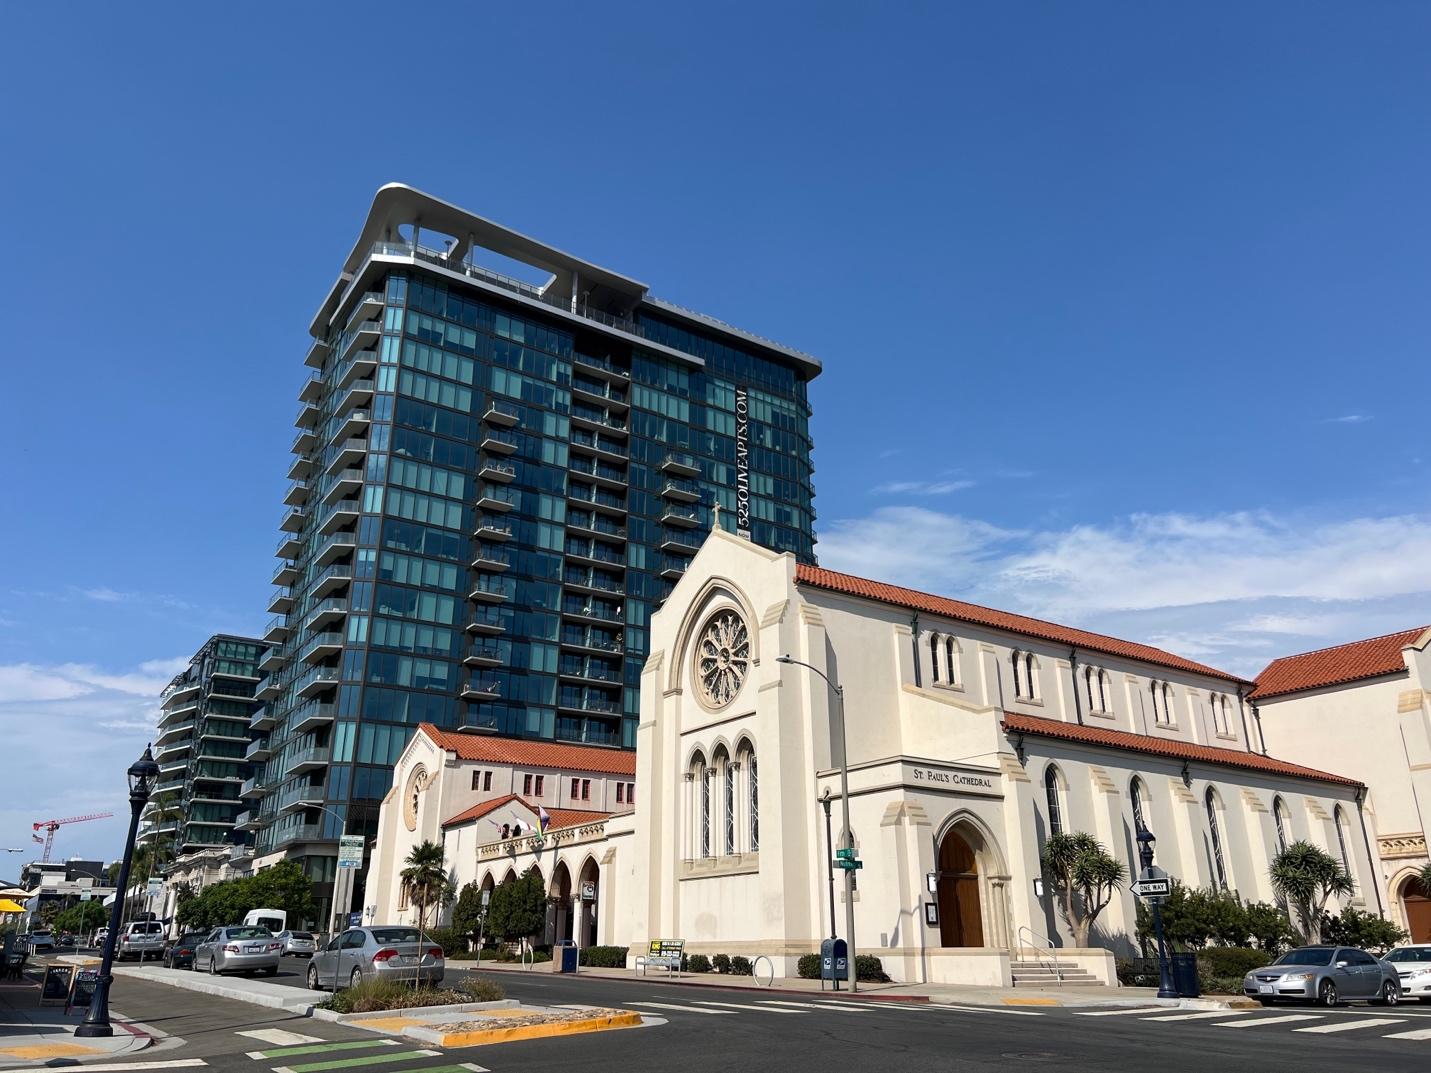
{"points": [[1326, 975]]}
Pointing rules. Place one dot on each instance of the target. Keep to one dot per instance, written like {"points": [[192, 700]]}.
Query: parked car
{"points": [[1413, 966], [298, 943], [140, 939], [100, 936], [392, 952], [1326, 975], [180, 954], [41, 939], [240, 948]]}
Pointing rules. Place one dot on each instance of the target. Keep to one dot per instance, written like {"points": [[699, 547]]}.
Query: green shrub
{"points": [[1229, 962], [740, 966], [721, 963], [1139, 972], [373, 995], [481, 989], [808, 967], [1355, 928], [698, 963], [604, 957], [870, 968], [448, 939]]}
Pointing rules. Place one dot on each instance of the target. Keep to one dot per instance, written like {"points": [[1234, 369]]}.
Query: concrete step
{"points": [[1048, 974]]}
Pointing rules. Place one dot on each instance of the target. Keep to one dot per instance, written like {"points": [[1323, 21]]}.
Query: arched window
{"points": [[1339, 822], [1221, 715], [1138, 795], [1279, 815], [1167, 703], [728, 804], [1017, 660], [1030, 677], [1215, 838], [1096, 685], [1088, 688], [701, 773], [934, 657], [752, 781], [1055, 801], [951, 661]]}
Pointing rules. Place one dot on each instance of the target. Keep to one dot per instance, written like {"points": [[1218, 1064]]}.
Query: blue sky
{"points": [[1122, 308]]}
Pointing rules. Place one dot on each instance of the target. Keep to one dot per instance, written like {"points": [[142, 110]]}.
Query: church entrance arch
{"points": [[1416, 910], [961, 916]]}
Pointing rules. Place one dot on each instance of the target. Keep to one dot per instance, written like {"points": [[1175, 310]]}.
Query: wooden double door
{"points": [[961, 918]]}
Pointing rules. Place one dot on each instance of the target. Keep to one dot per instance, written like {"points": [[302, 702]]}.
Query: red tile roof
{"points": [[1332, 666], [476, 812], [543, 754], [1000, 620], [1174, 750], [561, 817]]}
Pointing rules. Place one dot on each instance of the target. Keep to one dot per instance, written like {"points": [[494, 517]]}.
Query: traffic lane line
{"points": [[921, 1008], [810, 1005], [746, 1006], [984, 1009], [1206, 1015], [673, 1006], [1254, 1022], [1352, 1026]]}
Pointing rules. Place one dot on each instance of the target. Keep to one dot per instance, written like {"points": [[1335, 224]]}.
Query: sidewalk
{"points": [[32, 1035], [957, 994]]}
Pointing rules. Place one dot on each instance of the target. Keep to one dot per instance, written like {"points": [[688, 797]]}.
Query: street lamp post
{"points": [[847, 836], [1145, 855], [143, 774]]}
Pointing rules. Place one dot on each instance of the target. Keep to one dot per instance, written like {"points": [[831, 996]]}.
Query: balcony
{"points": [[347, 455], [345, 483], [263, 718], [601, 367], [293, 520], [355, 423], [173, 767], [603, 394], [496, 499], [592, 552], [488, 591], [597, 419], [680, 465], [272, 687], [173, 731], [687, 517], [600, 446], [489, 529], [173, 749], [343, 512], [590, 581], [587, 522], [312, 389], [501, 413], [168, 786], [587, 701], [311, 716], [594, 611], [281, 602], [601, 500], [289, 547], [584, 671], [369, 307], [253, 788], [308, 760], [324, 612], [309, 414], [174, 712], [361, 365], [318, 680], [672, 568], [359, 393], [683, 490], [336, 545], [276, 630], [297, 797], [247, 820], [301, 466], [286, 574], [364, 335], [316, 353], [296, 494], [304, 442], [490, 559], [680, 543], [258, 751], [307, 832], [485, 654], [272, 659], [587, 641], [182, 691], [481, 691], [488, 621], [500, 441], [331, 580], [322, 646], [600, 473], [492, 470]]}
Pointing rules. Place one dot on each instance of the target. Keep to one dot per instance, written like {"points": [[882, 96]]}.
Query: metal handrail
{"points": [[1051, 964]]}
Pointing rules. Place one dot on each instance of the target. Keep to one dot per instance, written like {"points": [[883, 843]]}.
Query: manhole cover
{"points": [[1032, 1056]]}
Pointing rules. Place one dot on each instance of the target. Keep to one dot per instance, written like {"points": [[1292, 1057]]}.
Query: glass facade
{"points": [[202, 745], [489, 501]]}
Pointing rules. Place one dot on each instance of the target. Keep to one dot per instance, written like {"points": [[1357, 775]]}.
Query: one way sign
{"points": [[1152, 888]]}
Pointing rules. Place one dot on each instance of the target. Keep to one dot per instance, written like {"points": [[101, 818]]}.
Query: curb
{"points": [[300, 1003], [357, 1019], [485, 1036]]}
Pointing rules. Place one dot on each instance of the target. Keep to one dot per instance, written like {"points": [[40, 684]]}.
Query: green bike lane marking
{"points": [[349, 1063], [320, 1048]]}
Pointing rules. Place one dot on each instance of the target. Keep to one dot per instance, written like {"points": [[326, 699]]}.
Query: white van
{"points": [[275, 920]]}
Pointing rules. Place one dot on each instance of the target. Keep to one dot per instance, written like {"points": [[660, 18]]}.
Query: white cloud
{"points": [[1235, 588], [1347, 419], [923, 488], [104, 595], [27, 682], [167, 667]]}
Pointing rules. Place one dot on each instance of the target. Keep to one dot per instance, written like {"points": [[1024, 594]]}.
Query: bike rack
{"points": [[755, 971]]}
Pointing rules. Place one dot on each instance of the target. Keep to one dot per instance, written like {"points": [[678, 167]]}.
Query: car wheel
{"points": [[313, 978], [356, 978], [213, 965], [1327, 994], [1390, 995]]}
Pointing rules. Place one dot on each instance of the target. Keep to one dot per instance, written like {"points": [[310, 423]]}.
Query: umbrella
{"points": [[7, 906]]}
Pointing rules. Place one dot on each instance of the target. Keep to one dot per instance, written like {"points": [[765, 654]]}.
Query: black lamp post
{"points": [[1145, 855], [143, 774]]}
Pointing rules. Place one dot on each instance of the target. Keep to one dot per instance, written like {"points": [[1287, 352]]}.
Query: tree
{"points": [[519, 908], [467, 913], [425, 880], [82, 917], [1084, 875], [284, 886], [1424, 878], [1305, 877], [1354, 928]]}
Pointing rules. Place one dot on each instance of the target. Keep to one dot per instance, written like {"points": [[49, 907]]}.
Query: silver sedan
{"points": [[238, 949], [392, 952], [1326, 975]]}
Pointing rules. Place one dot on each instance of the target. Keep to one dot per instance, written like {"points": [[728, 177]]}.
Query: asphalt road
{"points": [[698, 1028]]}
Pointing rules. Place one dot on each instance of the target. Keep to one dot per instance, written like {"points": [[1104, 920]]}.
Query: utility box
{"points": [[564, 956], [1184, 970], [834, 962]]}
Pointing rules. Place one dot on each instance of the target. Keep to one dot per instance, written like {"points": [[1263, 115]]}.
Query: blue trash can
{"points": [[564, 957], [1184, 971]]}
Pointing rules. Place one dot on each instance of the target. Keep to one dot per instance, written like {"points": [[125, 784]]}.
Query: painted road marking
{"points": [[673, 1006], [1120, 1013], [922, 1008], [321, 1048], [280, 1038], [1206, 1015], [1420, 1033], [140, 1067], [983, 1009], [809, 1005], [348, 1063], [744, 1006], [1352, 1026], [1255, 1021]]}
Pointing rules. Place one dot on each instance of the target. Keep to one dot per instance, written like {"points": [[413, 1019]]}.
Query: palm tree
{"points": [[1424, 877], [1084, 875], [1306, 876], [426, 883]]}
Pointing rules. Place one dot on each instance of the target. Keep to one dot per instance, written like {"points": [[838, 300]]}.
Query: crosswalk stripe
{"points": [[673, 1006], [983, 1009], [280, 1037], [138, 1067], [348, 1063], [321, 1047], [744, 1006], [1352, 1026], [879, 1006], [1206, 1015], [1119, 1013], [810, 1005], [1253, 1022], [1419, 1033]]}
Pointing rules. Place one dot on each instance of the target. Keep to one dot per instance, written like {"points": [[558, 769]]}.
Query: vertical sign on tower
{"points": [[742, 462]]}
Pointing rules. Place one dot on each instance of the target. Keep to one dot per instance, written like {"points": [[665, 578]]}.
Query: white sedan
{"points": [[1413, 964]]}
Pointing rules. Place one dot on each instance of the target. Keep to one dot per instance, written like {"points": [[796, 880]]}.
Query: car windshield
{"points": [[1409, 953], [1311, 955], [395, 935], [302, 935], [250, 933]]}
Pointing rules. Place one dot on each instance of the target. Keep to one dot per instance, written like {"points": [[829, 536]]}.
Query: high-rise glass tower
{"points": [[494, 483], [202, 747]]}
